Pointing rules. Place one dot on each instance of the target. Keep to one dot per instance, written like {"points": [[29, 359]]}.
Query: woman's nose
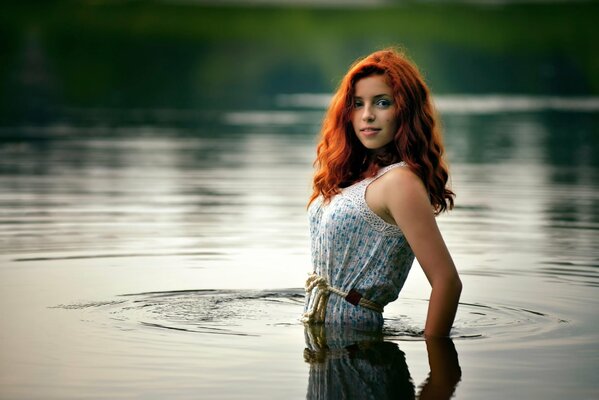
{"points": [[367, 114]]}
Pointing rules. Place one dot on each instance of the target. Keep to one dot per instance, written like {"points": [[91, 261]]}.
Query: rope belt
{"points": [[317, 313]]}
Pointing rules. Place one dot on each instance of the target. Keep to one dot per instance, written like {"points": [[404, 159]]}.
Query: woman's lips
{"points": [[369, 131]]}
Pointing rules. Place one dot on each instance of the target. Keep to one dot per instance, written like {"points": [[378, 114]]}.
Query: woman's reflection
{"points": [[350, 364]]}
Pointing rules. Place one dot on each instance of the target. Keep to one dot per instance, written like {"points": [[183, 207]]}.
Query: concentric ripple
{"points": [[256, 312]]}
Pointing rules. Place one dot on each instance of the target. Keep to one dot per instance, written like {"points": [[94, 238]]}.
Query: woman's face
{"points": [[373, 116]]}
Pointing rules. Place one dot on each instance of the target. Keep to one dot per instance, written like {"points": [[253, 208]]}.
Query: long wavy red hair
{"points": [[342, 160]]}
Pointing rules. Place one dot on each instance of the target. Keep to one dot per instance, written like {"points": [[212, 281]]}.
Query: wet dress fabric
{"points": [[353, 248]]}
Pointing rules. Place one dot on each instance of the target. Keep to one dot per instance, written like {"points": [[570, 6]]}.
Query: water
{"points": [[155, 261]]}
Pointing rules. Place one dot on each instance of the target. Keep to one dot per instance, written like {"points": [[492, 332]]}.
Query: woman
{"points": [[380, 180]]}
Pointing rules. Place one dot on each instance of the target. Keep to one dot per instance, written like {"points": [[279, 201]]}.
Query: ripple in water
{"points": [[258, 312]]}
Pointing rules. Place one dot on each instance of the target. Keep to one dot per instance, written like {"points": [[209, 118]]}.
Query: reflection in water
{"points": [[350, 364]]}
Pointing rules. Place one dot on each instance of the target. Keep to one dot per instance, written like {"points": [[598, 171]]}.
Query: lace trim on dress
{"points": [[356, 194]]}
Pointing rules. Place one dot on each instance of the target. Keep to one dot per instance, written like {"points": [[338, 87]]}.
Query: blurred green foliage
{"points": [[60, 55]]}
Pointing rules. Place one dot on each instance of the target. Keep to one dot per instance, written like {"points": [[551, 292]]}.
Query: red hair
{"points": [[342, 160]]}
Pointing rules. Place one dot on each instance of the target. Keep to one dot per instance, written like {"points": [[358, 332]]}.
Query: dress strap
{"points": [[388, 168], [356, 194]]}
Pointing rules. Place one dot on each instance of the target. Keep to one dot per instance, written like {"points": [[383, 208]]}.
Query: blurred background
{"points": [[85, 85], [186, 62]]}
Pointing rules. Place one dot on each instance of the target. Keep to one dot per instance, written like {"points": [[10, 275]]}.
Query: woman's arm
{"points": [[408, 204]]}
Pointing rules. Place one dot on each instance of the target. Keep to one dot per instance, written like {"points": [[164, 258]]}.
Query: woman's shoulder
{"points": [[398, 174], [404, 185]]}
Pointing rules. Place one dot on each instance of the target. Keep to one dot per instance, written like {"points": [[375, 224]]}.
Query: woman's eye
{"points": [[383, 103], [357, 104]]}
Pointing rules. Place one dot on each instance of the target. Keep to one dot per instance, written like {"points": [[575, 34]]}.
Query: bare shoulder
{"points": [[402, 183], [405, 198], [402, 174]]}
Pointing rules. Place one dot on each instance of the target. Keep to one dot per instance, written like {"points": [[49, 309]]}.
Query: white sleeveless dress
{"points": [[353, 248]]}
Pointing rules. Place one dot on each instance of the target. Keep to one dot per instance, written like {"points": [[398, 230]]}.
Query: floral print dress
{"points": [[353, 248]]}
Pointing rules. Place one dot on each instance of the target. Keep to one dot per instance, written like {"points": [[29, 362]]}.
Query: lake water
{"points": [[165, 261]]}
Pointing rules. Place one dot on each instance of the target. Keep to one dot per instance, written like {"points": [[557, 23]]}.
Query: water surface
{"points": [[153, 261]]}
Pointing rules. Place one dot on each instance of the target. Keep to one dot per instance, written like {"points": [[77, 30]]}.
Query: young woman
{"points": [[380, 181]]}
